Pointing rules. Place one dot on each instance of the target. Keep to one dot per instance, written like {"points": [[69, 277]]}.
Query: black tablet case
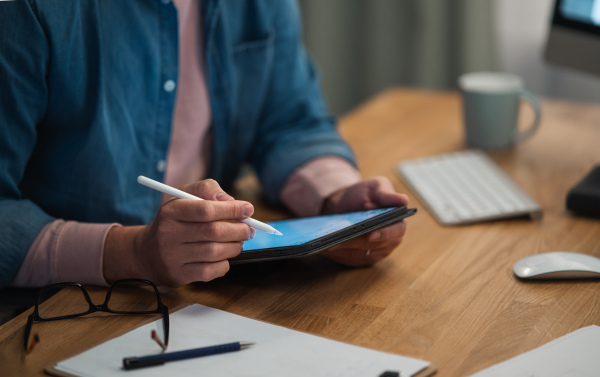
{"points": [[324, 242], [584, 198]]}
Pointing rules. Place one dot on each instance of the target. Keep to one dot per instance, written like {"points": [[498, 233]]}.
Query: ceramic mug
{"points": [[491, 102]]}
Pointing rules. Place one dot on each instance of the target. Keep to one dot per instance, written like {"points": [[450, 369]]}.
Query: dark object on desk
{"points": [[161, 358], [389, 374], [14, 301], [584, 198]]}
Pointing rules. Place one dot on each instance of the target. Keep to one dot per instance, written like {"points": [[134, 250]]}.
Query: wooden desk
{"points": [[447, 295]]}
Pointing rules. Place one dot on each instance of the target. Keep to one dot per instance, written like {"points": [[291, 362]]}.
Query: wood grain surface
{"points": [[446, 295]]}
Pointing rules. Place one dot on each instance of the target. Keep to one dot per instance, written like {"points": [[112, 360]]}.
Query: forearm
{"points": [[307, 188]]}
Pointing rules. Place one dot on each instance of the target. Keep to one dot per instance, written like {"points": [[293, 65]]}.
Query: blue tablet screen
{"points": [[300, 231]]}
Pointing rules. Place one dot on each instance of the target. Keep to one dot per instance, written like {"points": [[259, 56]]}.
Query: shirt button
{"points": [[161, 166], [169, 85]]}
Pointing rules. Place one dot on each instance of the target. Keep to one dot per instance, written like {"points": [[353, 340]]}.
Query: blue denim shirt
{"points": [[87, 91]]}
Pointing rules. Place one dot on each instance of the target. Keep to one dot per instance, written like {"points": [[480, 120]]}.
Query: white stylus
{"points": [[184, 195]]}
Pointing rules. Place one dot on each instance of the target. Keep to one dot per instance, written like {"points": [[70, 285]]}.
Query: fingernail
{"points": [[248, 210], [223, 196], [252, 233], [374, 236]]}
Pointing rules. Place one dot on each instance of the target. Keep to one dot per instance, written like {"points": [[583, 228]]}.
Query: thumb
{"points": [[382, 192]]}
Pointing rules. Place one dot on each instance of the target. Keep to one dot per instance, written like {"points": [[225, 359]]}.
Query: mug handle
{"points": [[535, 104]]}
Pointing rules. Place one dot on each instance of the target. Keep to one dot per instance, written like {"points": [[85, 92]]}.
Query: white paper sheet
{"points": [[278, 351], [576, 354]]}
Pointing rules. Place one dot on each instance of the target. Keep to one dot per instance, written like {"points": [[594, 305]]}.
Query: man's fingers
{"points": [[357, 257], [382, 192], [204, 211], [390, 199], [376, 239], [206, 252], [371, 193], [361, 243], [390, 232], [203, 271], [202, 261], [207, 189], [217, 231]]}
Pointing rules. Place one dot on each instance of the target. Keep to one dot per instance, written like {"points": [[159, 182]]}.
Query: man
{"points": [[94, 93]]}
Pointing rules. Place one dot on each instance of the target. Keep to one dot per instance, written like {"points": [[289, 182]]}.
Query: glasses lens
{"points": [[76, 304], [133, 297]]}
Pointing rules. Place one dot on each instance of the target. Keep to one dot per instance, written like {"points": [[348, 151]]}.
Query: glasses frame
{"points": [[93, 308]]}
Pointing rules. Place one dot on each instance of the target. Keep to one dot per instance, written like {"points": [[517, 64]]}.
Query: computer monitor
{"points": [[574, 37], [574, 41]]}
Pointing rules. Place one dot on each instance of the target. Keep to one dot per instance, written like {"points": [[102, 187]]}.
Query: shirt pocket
{"points": [[253, 62]]}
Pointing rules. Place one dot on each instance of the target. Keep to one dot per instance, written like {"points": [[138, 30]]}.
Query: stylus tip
{"points": [[278, 233]]}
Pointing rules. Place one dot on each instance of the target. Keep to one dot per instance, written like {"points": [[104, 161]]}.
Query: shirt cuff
{"points": [[307, 188], [65, 251]]}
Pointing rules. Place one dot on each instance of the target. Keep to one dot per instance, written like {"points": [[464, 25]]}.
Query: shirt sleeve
{"points": [[23, 98], [308, 187], [295, 126], [65, 251]]}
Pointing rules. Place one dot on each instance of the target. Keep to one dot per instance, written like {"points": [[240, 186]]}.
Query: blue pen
{"points": [[147, 361]]}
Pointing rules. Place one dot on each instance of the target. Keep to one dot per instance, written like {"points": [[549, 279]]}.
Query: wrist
{"points": [[119, 259], [330, 203]]}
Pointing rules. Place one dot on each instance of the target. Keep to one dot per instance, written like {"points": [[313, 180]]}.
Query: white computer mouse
{"points": [[558, 265]]}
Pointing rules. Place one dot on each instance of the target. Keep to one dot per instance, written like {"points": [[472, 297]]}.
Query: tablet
{"points": [[309, 235]]}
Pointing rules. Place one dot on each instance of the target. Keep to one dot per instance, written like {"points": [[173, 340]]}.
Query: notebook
{"points": [[278, 351]]}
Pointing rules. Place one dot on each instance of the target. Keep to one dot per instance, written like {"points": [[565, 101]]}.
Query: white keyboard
{"points": [[466, 187]]}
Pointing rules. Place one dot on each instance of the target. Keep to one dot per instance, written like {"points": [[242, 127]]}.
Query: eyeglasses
{"points": [[82, 305]]}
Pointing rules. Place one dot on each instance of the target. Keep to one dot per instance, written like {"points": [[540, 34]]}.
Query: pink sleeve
{"points": [[65, 251], [306, 189]]}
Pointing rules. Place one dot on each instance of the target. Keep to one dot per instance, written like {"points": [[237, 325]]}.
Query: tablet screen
{"points": [[300, 231]]}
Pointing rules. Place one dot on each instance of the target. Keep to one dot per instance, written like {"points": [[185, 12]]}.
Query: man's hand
{"points": [[189, 240], [366, 250]]}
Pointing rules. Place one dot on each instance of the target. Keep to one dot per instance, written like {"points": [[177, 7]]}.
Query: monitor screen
{"points": [[574, 37], [587, 11], [583, 15]]}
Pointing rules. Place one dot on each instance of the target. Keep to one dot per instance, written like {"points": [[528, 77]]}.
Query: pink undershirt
{"points": [[73, 251]]}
